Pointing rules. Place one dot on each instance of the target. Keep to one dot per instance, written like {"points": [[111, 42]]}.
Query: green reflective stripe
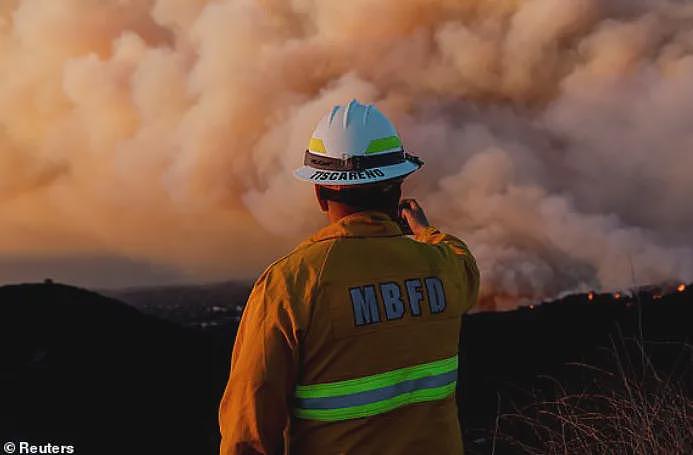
{"points": [[378, 407], [376, 381], [383, 144]]}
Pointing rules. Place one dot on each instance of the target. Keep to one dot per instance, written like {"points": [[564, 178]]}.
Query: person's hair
{"points": [[383, 196]]}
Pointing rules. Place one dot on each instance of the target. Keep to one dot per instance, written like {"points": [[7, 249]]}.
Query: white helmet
{"points": [[355, 144]]}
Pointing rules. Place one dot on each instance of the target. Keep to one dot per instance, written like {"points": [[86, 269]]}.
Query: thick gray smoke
{"points": [[557, 135]]}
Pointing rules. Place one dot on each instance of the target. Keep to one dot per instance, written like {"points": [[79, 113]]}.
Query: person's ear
{"points": [[322, 201]]}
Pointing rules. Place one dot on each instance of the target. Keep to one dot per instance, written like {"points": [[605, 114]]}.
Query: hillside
{"points": [[91, 371], [83, 368]]}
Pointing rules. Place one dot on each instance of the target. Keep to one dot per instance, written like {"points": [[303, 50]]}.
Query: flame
{"points": [[617, 295], [681, 287], [590, 296]]}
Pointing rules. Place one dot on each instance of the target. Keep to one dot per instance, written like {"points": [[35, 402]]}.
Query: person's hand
{"points": [[414, 215]]}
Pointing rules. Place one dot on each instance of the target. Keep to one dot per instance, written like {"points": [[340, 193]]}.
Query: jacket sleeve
{"points": [[254, 410], [467, 263]]}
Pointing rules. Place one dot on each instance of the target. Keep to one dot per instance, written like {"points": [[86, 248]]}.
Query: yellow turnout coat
{"points": [[348, 345]]}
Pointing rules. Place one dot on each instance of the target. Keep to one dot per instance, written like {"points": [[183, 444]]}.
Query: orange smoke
{"points": [[165, 131]]}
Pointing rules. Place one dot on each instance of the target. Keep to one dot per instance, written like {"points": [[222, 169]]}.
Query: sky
{"points": [[152, 141]]}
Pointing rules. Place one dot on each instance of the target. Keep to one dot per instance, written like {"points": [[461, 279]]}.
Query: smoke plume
{"points": [[557, 135]]}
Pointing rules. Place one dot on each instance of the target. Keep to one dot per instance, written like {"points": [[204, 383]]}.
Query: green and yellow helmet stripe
{"points": [[316, 145], [383, 144]]}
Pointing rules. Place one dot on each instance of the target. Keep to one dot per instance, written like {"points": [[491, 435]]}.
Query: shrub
{"points": [[627, 407]]}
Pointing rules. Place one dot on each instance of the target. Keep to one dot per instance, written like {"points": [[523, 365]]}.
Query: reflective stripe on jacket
{"points": [[348, 345]]}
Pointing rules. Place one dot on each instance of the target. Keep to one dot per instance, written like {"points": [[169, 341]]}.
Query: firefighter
{"points": [[349, 344]]}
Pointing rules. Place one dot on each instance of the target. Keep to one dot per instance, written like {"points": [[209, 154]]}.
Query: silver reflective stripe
{"points": [[378, 393], [384, 393]]}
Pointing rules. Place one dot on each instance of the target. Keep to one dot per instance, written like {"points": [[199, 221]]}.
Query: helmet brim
{"points": [[327, 177]]}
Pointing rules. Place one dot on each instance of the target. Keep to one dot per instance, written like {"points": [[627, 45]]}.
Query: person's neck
{"points": [[336, 212]]}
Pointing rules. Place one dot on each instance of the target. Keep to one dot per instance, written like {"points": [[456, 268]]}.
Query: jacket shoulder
{"points": [[301, 266], [439, 251]]}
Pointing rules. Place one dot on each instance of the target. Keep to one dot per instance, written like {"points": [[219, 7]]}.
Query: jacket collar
{"points": [[360, 224]]}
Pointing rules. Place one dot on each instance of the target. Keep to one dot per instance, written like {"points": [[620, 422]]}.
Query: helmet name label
{"points": [[350, 175]]}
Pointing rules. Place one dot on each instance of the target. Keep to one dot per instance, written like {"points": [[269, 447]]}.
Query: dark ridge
{"points": [[508, 358], [84, 369], [188, 305]]}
